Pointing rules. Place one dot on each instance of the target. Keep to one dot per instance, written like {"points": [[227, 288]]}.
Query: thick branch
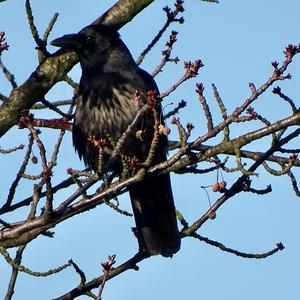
{"points": [[122, 12]]}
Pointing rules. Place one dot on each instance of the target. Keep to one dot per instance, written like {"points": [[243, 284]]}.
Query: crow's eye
{"points": [[89, 38]]}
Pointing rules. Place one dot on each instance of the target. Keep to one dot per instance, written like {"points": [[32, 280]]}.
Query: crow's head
{"points": [[93, 44]]}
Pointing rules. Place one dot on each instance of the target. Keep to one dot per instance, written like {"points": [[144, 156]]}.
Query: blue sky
{"points": [[237, 41]]}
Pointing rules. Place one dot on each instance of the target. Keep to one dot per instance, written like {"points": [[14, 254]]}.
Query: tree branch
{"points": [[83, 288]]}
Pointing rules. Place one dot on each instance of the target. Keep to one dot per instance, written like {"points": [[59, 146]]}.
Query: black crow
{"points": [[105, 108]]}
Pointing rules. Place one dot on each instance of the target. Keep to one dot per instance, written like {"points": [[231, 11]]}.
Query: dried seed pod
{"points": [[163, 130], [140, 134]]}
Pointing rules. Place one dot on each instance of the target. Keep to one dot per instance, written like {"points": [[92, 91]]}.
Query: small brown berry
{"points": [[215, 187], [222, 186], [34, 160], [219, 186]]}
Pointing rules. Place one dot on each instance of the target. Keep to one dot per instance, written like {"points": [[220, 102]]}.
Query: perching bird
{"points": [[105, 108]]}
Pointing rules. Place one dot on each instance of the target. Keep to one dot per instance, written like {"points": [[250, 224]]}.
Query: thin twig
{"points": [[294, 183], [14, 149], [9, 76], [277, 90], [167, 54], [106, 269], [205, 106], [50, 27], [175, 111], [171, 17], [279, 247], [14, 274], [64, 184], [47, 171], [20, 173], [54, 108], [191, 71], [35, 34], [24, 269], [53, 104], [78, 271], [53, 161]]}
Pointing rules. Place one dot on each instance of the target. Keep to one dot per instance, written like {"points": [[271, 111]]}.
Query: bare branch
{"points": [[82, 289], [41, 44], [279, 247], [9, 76], [14, 275], [107, 266], [171, 17], [24, 269], [22, 169], [14, 149], [54, 103]]}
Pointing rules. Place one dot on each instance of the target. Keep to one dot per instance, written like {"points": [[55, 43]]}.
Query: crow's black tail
{"points": [[155, 217]]}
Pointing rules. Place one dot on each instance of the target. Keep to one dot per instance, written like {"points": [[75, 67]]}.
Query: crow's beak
{"points": [[68, 41]]}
